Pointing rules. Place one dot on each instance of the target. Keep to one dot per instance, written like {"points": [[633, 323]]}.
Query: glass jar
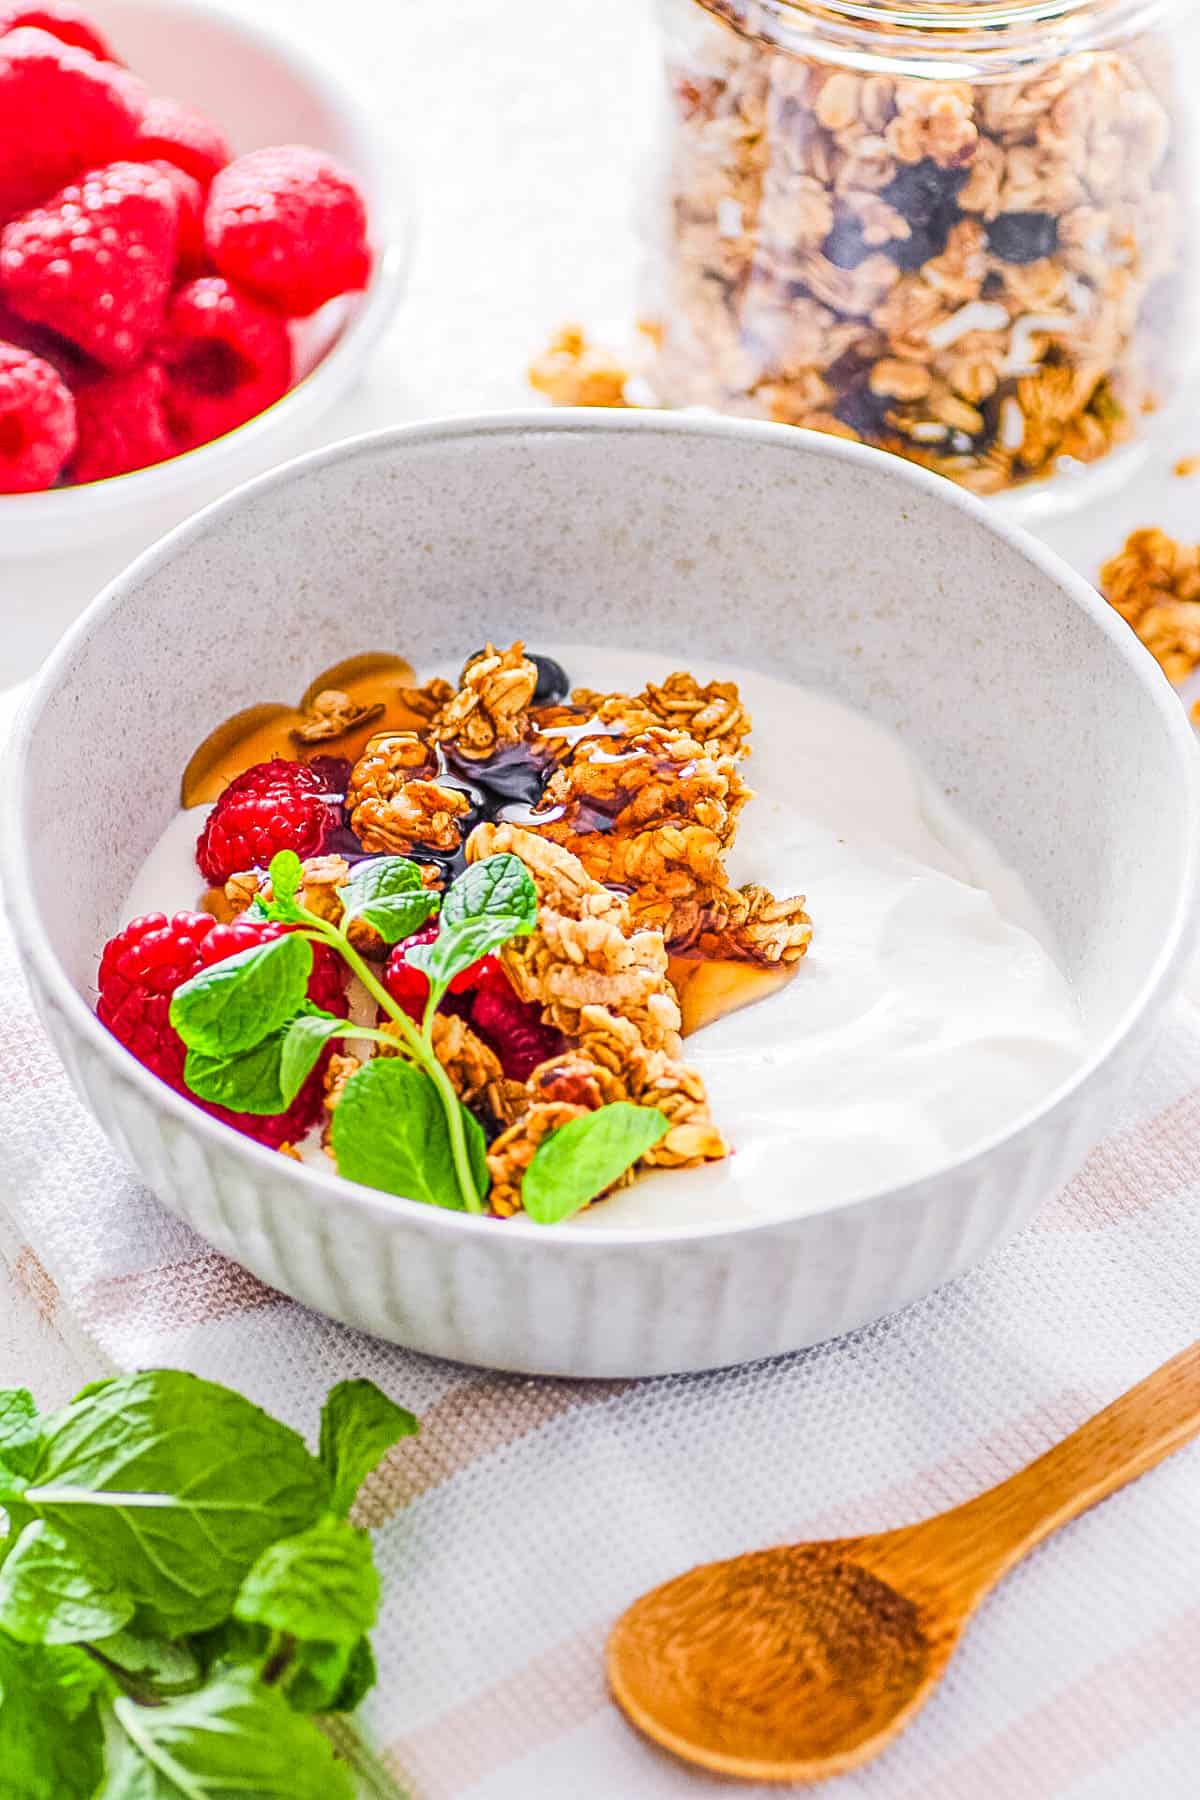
{"points": [[961, 230]]}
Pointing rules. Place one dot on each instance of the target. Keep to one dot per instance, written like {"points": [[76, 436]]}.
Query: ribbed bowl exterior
{"points": [[604, 1310], [830, 565]]}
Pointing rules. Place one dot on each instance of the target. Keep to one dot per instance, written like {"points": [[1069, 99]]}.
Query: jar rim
{"points": [[981, 34]]}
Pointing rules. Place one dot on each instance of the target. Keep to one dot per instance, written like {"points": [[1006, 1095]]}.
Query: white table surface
{"points": [[523, 130]]}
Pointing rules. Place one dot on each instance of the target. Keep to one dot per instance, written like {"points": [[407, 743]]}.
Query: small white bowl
{"points": [[1022, 694], [261, 90]]}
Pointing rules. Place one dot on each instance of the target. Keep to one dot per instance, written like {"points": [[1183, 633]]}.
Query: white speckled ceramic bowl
{"points": [[1028, 700], [261, 90]]}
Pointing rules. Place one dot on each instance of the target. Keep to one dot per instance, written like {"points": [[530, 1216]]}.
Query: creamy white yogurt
{"points": [[928, 1014]]}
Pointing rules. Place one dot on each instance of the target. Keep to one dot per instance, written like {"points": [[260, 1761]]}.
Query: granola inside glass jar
{"points": [[960, 230]]}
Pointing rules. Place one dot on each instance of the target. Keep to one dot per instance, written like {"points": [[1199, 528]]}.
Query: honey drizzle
{"points": [[710, 988], [259, 733]]}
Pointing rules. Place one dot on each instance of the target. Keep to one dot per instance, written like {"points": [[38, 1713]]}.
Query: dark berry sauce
{"points": [[507, 785]]}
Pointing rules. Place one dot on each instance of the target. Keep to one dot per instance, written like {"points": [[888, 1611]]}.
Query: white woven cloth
{"points": [[529, 1513]]}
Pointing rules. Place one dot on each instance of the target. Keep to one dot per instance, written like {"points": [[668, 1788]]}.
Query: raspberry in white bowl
{"points": [[194, 334]]}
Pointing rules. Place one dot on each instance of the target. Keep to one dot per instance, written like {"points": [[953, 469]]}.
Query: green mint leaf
{"points": [[49, 1596], [388, 894], [324, 1678], [166, 1667], [389, 1132], [358, 1679], [50, 1736], [489, 904], [234, 1004], [91, 1388], [499, 887], [267, 1077], [171, 1488], [584, 1156], [248, 1082], [20, 1430], [232, 1738], [316, 1677], [257, 912], [320, 1586], [300, 1045], [359, 1425], [285, 874], [11, 1489]]}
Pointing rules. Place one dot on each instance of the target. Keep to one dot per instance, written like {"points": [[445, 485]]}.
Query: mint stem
{"points": [[376, 1780], [420, 1047]]}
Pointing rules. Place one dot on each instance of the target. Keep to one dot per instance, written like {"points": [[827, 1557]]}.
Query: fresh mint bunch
{"points": [[253, 1038], [182, 1595]]}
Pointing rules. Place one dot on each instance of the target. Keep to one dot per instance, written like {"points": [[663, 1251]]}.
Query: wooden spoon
{"points": [[801, 1662]]}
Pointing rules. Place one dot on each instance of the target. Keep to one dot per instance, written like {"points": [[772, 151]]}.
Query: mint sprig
{"points": [[253, 1038], [180, 1589], [491, 903]]}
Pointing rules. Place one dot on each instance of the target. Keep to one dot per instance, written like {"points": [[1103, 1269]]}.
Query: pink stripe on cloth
{"points": [[197, 1290], [978, 1466], [468, 1423], [524, 1709], [34, 1280], [1084, 1727], [1112, 1185]]}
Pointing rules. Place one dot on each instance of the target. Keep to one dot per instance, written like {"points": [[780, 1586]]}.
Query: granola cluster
{"points": [[603, 982], [632, 803], [967, 275], [1154, 583]]}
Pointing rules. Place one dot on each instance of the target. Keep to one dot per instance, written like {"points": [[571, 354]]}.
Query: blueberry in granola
{"points": [[1023, 237], [553, 682]]}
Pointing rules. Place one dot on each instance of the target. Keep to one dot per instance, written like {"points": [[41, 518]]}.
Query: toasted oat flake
{"points": [[1012, 425], [976, 315]]}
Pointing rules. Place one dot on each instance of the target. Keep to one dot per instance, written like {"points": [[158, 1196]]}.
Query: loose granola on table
{"points": [[969, 275], [627, 807], [1154, 583]]}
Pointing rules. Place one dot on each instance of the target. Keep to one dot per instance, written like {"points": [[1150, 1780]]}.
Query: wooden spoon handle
{"points": [[1123, 1441]]}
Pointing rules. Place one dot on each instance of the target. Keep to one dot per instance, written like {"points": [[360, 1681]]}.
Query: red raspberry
{"points": [[514, 1030], [37, 422], [122, 423], [482, 992], [274, 806], [143, 965], [178, 134], [333, 772], [61, 20], [61, 112], [140, 969], [227, 360], [411, 986], [191, 258], [408, 986], [289, 226], [96, 262], [70, 362]]}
